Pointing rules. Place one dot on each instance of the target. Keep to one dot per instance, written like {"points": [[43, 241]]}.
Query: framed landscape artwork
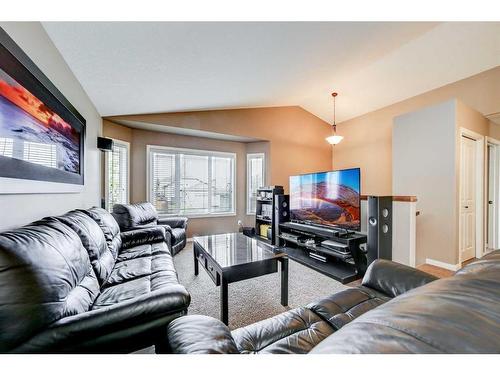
{"points": [[42, 136]]}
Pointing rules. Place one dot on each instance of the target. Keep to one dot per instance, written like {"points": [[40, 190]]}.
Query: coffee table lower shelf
{"points": [[340, 271]]}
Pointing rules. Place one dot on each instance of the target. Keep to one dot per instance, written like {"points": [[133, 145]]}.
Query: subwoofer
{"points": [[379, 243], [281, 214]]}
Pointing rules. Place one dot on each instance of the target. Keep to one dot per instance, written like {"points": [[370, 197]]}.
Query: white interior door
{"points": [[467, 240]]}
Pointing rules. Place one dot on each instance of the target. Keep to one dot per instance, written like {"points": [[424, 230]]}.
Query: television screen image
{"points": [[327, 198], [33, 132]]}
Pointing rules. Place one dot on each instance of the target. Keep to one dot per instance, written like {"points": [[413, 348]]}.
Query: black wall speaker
{"points": [[105, 144], [379, 228], [281, 213]]}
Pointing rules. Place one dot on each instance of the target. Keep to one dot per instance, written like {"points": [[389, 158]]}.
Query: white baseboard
{"points": [[437, 263]]}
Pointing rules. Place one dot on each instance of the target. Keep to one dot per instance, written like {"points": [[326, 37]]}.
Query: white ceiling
{"points": [[135, 68]]}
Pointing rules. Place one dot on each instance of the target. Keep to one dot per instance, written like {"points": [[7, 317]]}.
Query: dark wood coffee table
{"points": [[234, 257]]}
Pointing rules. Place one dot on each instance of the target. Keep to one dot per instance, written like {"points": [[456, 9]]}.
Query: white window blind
{"points": [[255, 179], [191, 182], [6, 146], [117, 174], [40, 153]]}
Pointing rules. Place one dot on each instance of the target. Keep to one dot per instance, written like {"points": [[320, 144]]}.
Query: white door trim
{"points": [[496, 200], [480, 183], [106, 172]]}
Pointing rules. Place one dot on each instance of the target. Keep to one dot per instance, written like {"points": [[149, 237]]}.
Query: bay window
{"points": [[191, 182]]}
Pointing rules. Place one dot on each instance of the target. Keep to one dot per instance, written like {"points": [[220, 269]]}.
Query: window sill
{"points": [[200, 216]]}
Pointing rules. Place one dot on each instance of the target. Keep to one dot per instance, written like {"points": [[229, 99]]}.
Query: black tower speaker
{"points": [[379, 243], [281, 214]]}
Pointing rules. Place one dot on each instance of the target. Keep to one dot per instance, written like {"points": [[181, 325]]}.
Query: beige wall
{"points": [[297, 138], [293, 144], [367, 141], [20, 209], [426, 163], [424, 166]]}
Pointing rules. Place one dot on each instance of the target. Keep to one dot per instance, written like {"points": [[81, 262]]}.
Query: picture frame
{"points": [[42, 136]]}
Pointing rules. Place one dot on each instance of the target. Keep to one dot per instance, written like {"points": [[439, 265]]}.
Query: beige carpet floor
{"points": [[255, 299]]}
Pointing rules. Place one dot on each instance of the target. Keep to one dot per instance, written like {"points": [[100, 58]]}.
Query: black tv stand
{"points": [[334, 252]]}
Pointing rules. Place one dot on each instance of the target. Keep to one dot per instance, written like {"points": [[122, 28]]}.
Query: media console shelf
{"points": [[264, 212], [334, 253]]}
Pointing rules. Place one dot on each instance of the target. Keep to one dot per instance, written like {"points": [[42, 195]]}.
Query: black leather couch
{"points": [[74, 283], [144, 215], [392, 312]]}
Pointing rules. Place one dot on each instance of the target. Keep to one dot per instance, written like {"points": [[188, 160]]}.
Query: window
{"points": [[255, 179], [191, 182], [117, 174]]}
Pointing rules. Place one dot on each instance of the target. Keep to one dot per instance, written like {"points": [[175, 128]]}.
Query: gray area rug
{"points": [[255, 299]]}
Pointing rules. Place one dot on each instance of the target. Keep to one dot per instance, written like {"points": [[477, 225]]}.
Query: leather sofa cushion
{"points": [[143, 236], [490, 261], [198, 334], [130, 216], [109, 227], [393, 278], [293, 332], [138, 270], [174, 221], [45, 276], [343, 307], [93, 240], [178, 235], [120, 328], [458, 314]]}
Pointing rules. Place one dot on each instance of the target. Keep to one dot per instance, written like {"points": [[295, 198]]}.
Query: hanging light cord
{"points": [[334, 123]]}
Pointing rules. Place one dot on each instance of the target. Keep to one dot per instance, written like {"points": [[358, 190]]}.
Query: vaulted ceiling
{"points": [[136, 68]]}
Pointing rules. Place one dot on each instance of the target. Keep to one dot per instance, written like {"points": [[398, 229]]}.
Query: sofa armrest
{"points": [[174, 222], [143, 236], [198, 334], [122, 327], [393, 279]]}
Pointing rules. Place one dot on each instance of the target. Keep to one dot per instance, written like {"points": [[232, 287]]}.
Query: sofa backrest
{"points": [[45, 275], [92, 237], [459, 314], [109, 227], [139, 215]]}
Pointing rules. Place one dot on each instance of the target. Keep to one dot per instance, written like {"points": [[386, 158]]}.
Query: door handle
{"points": [[466, 206], [490, 202]]}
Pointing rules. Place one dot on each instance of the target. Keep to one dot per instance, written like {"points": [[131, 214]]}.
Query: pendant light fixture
{"points": [[334, 139]]}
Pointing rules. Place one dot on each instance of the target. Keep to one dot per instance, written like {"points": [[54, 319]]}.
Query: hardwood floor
{"points": [[436, 271]]}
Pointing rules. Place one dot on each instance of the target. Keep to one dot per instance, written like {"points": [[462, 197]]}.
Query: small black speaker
{"points": [[104, 144], [379, 243], [281, 213]]}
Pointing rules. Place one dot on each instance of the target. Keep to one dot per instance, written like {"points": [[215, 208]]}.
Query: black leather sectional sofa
{"points": [[75, 283], [144, 215], [397, 309]]}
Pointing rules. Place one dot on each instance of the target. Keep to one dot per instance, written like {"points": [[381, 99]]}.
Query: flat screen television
{"points": [[329, 199]]}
